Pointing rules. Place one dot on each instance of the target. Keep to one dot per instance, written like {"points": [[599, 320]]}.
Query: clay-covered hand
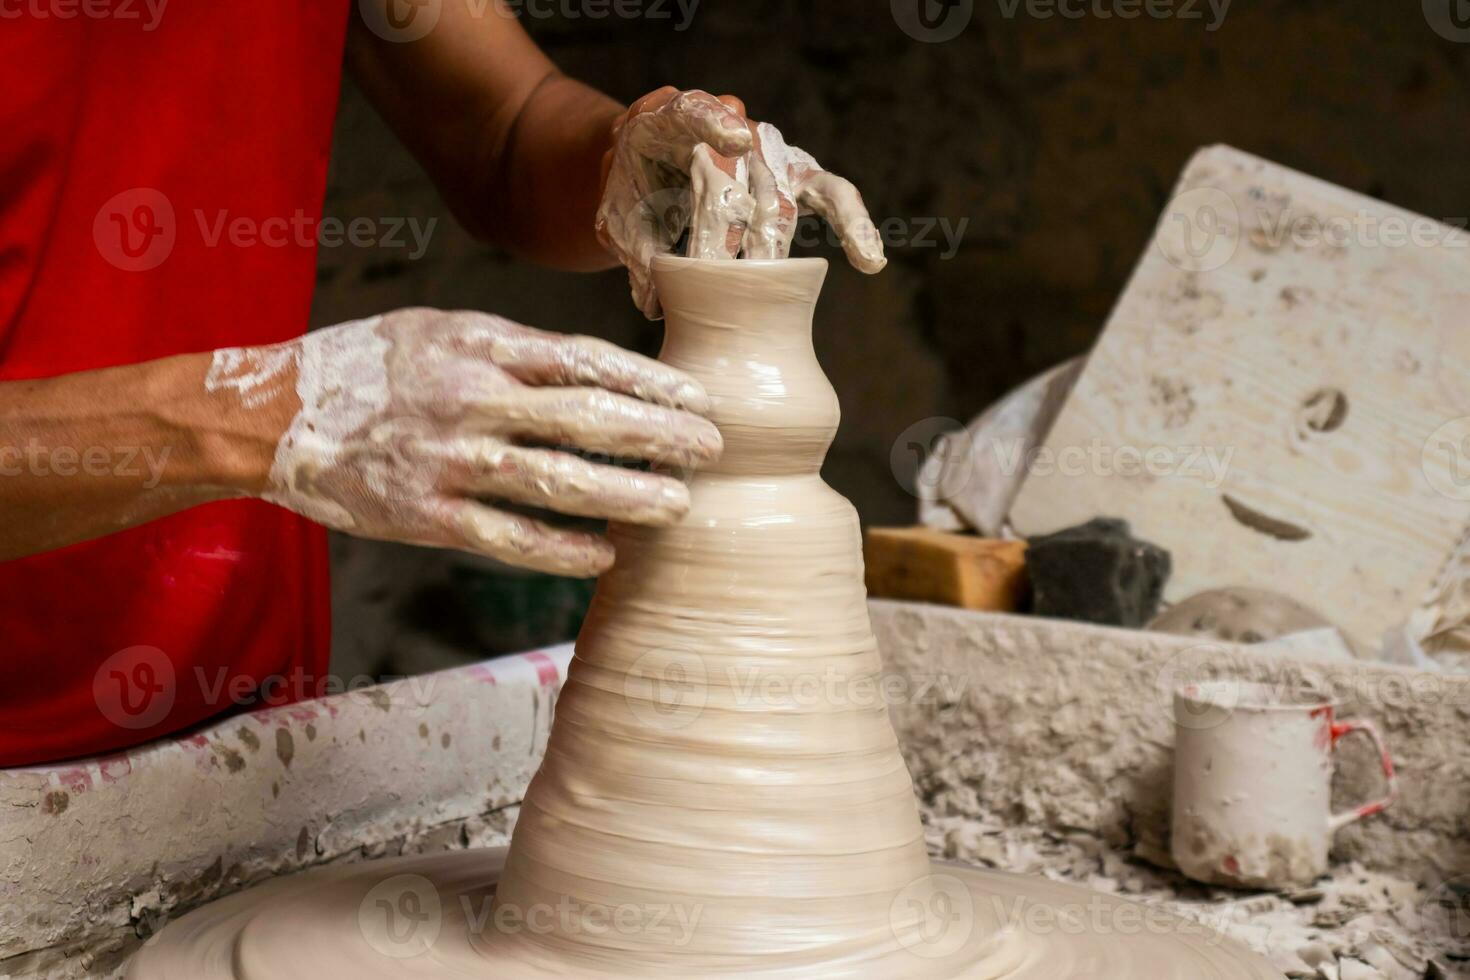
{"points": [[775, 184], [689, 161], [647, 172], [412, 423]]}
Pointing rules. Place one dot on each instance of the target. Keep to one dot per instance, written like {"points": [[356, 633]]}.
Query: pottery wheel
{"points": [[430, 917]]}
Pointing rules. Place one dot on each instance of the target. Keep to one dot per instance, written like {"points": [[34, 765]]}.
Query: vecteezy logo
{"points": [[667, 689], [1204, 667], [401, 918], [932, 21], [665, 213], [400, 21], [926, 438], [136, 230], [933, 917], [1445, 915], [1200, 230], [135, 688], [1445, 459], [1450, 19]]}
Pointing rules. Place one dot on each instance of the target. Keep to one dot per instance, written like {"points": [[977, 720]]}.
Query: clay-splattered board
{"points": [[1279, 397]]}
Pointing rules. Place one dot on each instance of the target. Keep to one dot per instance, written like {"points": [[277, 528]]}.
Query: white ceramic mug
{"points": [[1253, 783]]}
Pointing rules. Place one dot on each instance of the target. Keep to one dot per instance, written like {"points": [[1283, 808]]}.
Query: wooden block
{"points": [[1275, 398], [926, 565]]}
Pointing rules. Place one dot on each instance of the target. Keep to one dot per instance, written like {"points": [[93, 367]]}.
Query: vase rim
{"points": [[676, 261]]}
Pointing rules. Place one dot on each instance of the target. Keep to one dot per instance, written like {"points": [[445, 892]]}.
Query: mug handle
{"points": [[1342, 730]]}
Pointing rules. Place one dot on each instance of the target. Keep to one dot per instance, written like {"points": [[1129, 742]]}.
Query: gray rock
{"points": [[1097, 573]]}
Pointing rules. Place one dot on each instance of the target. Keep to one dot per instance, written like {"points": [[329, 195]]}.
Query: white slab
{"points": [[1295, 357]]}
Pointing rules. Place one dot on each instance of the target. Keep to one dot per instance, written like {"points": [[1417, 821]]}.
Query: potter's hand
{"points": [[686, 160], [410, 421], [749, 207], [647, 172]]}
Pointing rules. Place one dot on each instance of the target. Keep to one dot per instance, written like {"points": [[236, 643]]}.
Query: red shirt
{"points": [[130, 128]]}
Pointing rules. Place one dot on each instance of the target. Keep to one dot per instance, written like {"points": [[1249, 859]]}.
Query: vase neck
{"points": [[744, 330]]}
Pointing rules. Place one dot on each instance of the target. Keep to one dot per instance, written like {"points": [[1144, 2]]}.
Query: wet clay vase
{"points": [[722, 756]]}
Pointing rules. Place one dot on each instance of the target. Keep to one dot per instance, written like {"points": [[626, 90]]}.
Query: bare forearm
{"points": [[549, 184], [88, 454], [515, 147]]}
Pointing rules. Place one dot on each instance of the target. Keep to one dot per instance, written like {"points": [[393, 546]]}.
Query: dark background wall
{"points": [[1050, 140]]}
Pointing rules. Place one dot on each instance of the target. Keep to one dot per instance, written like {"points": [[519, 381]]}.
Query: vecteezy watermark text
{"points": [[1214, 10], [683, 10], [1363, 229], [962, 460], [137, 230], [137, 687], [840, 689], [148, 12], [1234, 674], [567, 916], [1208, 464], [1100, 916], [302, 230], [405, 21], [1203, 228], [35, 459], [402, 917], [895, 232], [670, 689]]}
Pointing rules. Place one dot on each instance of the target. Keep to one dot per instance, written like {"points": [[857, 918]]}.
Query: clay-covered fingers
{"points": [[669, 132], [640, 282], [653, 100], [772, 223], [720, 206], [535, 357], [838, 202], [604, 422], [487, 467], [786, 182], [523, 541]]}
